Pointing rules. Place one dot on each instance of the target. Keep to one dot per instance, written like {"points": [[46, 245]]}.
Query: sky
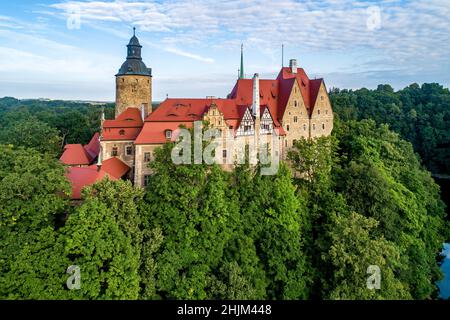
{"points": [[72, 49]]}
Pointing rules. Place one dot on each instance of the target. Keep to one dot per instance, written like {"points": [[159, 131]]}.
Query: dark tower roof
{"points": [[134, 64]]}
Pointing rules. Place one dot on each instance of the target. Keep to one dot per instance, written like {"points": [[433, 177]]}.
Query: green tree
{"points": [[103, 238], [32, 203], [32, 133]]}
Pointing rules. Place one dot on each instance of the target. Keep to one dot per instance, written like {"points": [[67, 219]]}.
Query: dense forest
{"points": [[420, 114], [359, 198]]}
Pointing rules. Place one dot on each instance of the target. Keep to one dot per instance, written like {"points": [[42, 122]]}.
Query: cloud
{"points": [[406, 29], [189, 55]]}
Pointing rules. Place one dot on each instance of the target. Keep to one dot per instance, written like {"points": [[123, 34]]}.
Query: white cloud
{"points": [[408, 30]]}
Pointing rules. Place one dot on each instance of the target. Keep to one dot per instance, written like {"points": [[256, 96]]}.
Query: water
{"points": [[444, 284]]}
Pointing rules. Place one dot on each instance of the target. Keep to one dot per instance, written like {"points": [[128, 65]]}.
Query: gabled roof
{"points": [[93, 147], [126, 126], [130, 118], [114, 167], [80, 177], [308, 88], [77, 154]]}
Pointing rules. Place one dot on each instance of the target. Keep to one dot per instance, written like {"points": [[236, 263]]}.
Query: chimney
{"points": [[293, 65], [142, 112], [99, 158], [255, 104]]}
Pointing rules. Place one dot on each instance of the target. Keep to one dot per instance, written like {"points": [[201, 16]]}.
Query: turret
{"points": [[134, 80]]}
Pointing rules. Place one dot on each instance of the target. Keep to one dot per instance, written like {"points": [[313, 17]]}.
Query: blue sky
{"points": [[71, 49]]}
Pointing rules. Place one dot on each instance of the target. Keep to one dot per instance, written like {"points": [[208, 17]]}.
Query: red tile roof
{"points": [[274, 95], [155, 132], [114, 167], [308, 88], [80, 177], [179, 110], [77, 154], [93, 147], [125, 127]]}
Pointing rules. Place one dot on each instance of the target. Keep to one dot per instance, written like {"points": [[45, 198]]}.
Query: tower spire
{"points": [[134, 31], [241, 70]]}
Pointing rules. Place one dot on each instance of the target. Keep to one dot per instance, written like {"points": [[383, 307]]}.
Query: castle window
{"points": [[318, 111], [321, 98], [122, 132], [304, 127], [147, 156], [147, 180], [314, 126], [295, 103], [114, 152], [323, 126], [224, 153], [326, 111], [168, 134], [287, 127], [129, 150], [295, 119]]}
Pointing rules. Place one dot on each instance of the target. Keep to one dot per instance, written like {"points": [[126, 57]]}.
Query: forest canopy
{"points": [[340, 205]]}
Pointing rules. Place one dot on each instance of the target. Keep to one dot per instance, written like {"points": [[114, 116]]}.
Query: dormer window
{"points": [[122, 132], [168, 134]]}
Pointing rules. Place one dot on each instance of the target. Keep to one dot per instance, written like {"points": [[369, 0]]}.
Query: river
{"points": [[444, 285]]}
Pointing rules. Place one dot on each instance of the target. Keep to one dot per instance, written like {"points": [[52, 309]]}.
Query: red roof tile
{"points": [[120, 133], [93, 147], [114, 167], [155, 132], [308, 88], [180, 110], [80, 177], [75, 154], [130, 118]]}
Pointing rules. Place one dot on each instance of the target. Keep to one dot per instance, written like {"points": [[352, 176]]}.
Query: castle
{"points": [[291, 106]]}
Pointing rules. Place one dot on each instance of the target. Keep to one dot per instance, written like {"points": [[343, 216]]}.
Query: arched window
{"points": [[295, 103]]}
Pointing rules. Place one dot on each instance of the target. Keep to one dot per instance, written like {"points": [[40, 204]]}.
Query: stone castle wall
{"points": [[133, 90]]}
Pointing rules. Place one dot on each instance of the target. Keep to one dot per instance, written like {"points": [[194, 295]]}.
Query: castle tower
{"points": [[134, 81]]}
